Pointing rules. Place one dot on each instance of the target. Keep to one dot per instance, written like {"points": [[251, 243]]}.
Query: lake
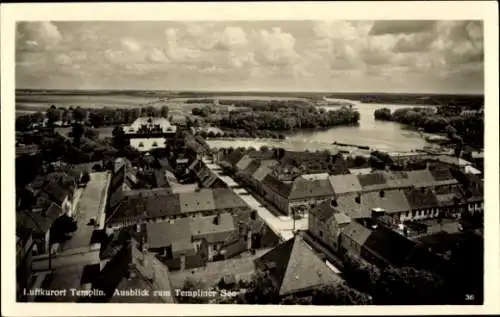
{"points": [[385, 136]]}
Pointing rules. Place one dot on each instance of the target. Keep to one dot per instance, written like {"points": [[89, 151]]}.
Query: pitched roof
{"points": [[275, 184], [421, 178], [133, 208], [441, 174], [367, 180], [165, 233], [243, 163], [397, 180], [36, 221], [205, 228], [390, 245], [234, 157], [56, 192], [356, 232], [391, 200], [295, 267], [226, 198], [251, 168], [325, 211], [264, 169], [304, 188], [421, 198], [346, 183], [197, 201]]}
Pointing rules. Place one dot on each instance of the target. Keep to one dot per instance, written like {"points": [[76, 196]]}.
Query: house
{"points": [[423, 203], [345, 184], [360, 205], [185, 238], [353, 238], [39, 223], [298, 196], [153, 207], [376, 243], [295, 268], [326, 222], [474, 195]]}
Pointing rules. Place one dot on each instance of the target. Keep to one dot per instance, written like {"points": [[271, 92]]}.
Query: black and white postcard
{"points": [[246, 158]]}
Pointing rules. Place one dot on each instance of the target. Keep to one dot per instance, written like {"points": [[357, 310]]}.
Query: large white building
{"points": [[147, 133]]}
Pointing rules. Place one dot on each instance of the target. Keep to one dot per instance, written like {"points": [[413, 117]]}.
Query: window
{"points": [[141, 144], [321, 233]]}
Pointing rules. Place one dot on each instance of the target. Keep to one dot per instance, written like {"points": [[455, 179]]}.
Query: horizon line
{"points": [[250, 91]]}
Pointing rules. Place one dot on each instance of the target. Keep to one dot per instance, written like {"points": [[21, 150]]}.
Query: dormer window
{"points": [[141, 144]]}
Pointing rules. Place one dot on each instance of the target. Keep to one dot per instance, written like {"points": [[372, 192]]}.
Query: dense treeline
{"points": [[242, 134], [283, 119], [461, 129], [468, 101], [96, 117]]}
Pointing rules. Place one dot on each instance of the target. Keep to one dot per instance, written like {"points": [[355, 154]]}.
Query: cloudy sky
{"points": [[337, 56]]}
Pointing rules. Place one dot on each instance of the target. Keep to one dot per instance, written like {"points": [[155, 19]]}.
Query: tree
{"points": [[77, 132], [191, 285], [85, 177], [52, 116], [164, 111], [383, 114], [79, 114]]}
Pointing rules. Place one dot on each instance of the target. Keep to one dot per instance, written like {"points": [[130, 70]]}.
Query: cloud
{"points": [[417, 42], [63, 59], [177, 52], [276, 48], [232, 38], [401, 27], [130, 44], [43, 35], [157, 56]]}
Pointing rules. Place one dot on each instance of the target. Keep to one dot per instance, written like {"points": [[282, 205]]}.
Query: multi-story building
{"points": [[147, 133]]}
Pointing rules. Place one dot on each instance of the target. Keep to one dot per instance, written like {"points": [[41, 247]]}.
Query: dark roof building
{"points": [[295, 267]]}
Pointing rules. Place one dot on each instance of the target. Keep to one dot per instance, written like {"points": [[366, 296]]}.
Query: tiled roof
{"points": [[162, 205], [356, 232], [243, 163], [139, 207], [421, 178], [165, 233], [225, 198], [295, 267], [251, 168], [441, 174], [303, 188], [56, 192], [264, 169], [325, 211], [372, 179], [197, 201], [277, 185], [36, 221], [234, 157], [397, 180], [346, 183], [421, 198], [391, 200], [205, 228]]}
